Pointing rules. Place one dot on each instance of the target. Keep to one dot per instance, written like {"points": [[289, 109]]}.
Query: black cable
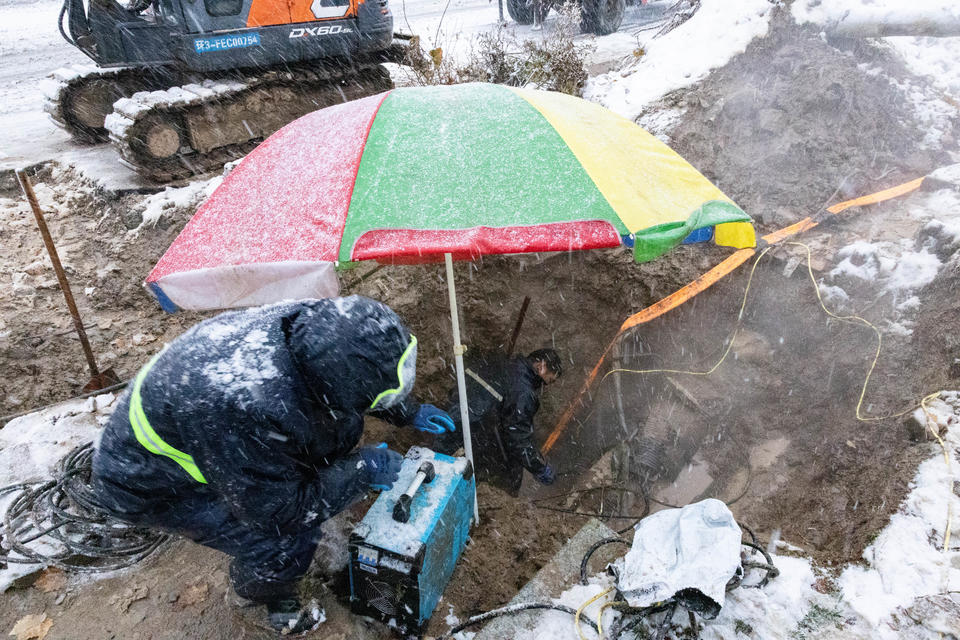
{"points": [[515, 608], [665, 622], [614, 516], [593, 548], [640, 614], [771, 571], [62, 515]]}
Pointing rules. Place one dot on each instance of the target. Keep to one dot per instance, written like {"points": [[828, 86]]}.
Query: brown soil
{"points": [[776, 422], [40, 353]]}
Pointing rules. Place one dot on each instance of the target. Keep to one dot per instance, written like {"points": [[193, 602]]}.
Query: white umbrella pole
{"points": [[458, 350]]}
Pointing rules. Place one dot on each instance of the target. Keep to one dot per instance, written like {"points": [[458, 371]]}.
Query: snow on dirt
{"points": [[826, 13], [902, 262], [683, 56], [154, 207]]}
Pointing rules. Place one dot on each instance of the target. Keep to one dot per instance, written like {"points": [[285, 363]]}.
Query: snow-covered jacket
{"points": [[511, 414], [269, 402]]}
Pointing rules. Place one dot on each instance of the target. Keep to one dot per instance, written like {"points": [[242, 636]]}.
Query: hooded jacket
{"points": [[518, 386], [269, 402]]}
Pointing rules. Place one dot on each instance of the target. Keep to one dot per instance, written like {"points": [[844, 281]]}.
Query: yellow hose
{"points": [[576, 618]]}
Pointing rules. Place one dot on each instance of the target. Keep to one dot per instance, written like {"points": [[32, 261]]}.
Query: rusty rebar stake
{"points": [[61, 276], [516, 328]]}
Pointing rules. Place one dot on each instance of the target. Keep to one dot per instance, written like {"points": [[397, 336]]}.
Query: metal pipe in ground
{"points": [[518, 326], [98, 380], [906, 20]]}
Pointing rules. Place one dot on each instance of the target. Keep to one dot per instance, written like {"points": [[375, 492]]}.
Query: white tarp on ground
{"points": [[908, 586], [696, 547]]}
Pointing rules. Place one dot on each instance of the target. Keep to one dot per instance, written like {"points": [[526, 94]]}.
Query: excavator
{"points": [[181, 87]]}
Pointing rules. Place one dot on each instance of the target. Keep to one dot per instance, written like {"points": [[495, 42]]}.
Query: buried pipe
{"points": [[878, 22], [98, 379]]}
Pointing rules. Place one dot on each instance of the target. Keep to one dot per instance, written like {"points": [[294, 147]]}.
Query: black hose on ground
{"points": [[74, 533], [593, 548], [665, 622], [771, 571], [511, 609], [638, 615]]}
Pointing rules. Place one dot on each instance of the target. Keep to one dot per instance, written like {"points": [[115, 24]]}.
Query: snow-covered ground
{"points": [[906, 572], [683, 56], [905, 258]]}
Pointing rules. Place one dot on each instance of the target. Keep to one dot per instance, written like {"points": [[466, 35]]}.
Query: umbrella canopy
{"points": [[415, 173]]}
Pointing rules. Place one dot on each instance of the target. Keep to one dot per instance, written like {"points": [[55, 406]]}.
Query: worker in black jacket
{"points": [[503, 395], [240, 435]]}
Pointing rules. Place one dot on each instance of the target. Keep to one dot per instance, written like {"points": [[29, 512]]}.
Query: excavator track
{"points": [[197, 127], [78, 98]]}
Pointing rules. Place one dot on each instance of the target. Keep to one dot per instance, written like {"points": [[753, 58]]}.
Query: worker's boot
{"points": [[289, 616]]}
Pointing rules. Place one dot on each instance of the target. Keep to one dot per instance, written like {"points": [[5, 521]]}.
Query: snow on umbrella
{"points": [[414, 174]]}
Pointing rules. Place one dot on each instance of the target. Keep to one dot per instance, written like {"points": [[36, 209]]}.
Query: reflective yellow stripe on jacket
{"points": [[149, 438]]}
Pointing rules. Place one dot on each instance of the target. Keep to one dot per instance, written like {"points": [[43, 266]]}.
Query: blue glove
{"points": [[433, 420], [547, 476], [382, 466]]}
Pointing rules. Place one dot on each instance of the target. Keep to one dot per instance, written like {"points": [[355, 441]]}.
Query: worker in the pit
{"points": [[240, 436], [503, 396]]}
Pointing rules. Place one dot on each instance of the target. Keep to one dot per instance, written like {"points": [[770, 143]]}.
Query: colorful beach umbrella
{"points": [[415, 173], [420, 174]]}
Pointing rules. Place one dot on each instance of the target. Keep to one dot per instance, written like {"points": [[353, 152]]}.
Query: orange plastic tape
{"points": [[707, 280], [879, 196]]}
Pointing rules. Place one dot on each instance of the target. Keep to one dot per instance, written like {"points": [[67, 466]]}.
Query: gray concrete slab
{"points": [[562, 572]]}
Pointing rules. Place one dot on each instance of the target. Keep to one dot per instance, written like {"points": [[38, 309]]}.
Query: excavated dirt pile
{"points": [[794, 122]]}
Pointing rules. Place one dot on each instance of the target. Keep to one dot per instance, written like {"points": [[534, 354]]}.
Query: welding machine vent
{"points": [[405, 549], [382, 597]]}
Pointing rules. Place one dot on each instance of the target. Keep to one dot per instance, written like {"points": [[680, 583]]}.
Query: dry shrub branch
{"points": [[553, 62]]}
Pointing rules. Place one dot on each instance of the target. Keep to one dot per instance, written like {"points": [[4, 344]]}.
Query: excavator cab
{"points": [[211, 35]]}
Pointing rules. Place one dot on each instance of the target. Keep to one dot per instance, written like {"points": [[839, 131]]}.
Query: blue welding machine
{"points": [[405, 549]]}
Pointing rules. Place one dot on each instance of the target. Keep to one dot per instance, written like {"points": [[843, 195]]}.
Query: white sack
{"points": [[678, 550]]}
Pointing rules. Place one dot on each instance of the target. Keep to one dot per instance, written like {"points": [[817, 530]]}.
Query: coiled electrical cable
{"points": [[57, 523]]}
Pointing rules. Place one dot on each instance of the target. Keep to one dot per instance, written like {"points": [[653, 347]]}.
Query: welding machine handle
{"points": [[401, 510]]}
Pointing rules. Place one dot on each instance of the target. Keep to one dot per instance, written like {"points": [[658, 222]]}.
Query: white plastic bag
{"points": [[690, 553]]}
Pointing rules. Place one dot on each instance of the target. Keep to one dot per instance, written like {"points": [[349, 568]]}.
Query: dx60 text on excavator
{"points": [[182, 86]]}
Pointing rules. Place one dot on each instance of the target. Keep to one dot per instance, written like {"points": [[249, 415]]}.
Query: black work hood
{"points": [[347, 349]]}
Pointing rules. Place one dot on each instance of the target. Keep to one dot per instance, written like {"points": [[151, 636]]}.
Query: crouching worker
{"points": [[240, 435], [503, 395]]}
